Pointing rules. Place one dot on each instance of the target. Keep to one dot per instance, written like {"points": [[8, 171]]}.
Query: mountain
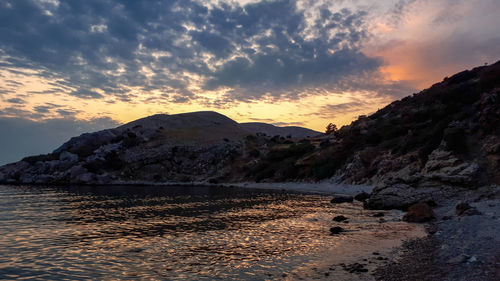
{"points": [[416, 148], [271, 130], [180, 147]]}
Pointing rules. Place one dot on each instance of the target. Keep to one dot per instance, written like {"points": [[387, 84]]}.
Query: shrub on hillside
{"points": [[42, 157], [455, 139]]}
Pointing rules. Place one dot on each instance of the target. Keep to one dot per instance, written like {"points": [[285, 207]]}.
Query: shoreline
{"points": [[463, 247], [307, 187]]}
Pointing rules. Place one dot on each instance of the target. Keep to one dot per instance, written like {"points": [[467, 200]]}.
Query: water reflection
{"points": [[161, 233]]}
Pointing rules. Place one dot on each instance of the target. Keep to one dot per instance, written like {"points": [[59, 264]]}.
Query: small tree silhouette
{"points": [[330, 129]]}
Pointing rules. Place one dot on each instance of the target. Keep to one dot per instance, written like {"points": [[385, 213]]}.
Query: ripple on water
{"points": [[174, 232]]}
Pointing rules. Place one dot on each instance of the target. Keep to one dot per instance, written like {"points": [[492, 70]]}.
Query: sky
{"points": [[69, 67]]}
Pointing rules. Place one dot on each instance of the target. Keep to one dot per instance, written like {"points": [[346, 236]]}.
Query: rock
{"points": [[355, 268], [472, 212], [461, 208], [473, 259], [103, 179], [362, 196], [86, 178], [459, 259], [464, 209], [68, 157], [339, 218], [341, 199], [378, 215], [420, 212], [401, 196], [44, 179], [76, 171], [432, 229], [336, 230]]}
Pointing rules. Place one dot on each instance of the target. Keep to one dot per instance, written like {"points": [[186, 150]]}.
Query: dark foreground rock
{"points": [[339, 218], [362, 196], [464, 209], [342, 199], [336, 230], [355, 268], [420, 212]]}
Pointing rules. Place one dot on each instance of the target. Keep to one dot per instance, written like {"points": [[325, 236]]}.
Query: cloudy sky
{"points": [[69, 66]]}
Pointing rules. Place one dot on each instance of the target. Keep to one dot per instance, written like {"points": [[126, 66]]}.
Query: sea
{"points": [[187, 233]]}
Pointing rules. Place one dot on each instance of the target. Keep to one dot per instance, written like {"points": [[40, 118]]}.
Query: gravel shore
{"points": [[458, 246]]}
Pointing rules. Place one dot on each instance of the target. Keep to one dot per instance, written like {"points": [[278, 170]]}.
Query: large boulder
{"points": [[420, 212], [401, 196], [362, 196]]}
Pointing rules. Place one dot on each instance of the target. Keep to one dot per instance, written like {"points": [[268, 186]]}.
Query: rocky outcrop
{"points": [[401, 196]]}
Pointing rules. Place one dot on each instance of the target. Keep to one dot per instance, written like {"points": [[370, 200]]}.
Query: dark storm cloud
{"points": [[22, 137], [256, 49]]}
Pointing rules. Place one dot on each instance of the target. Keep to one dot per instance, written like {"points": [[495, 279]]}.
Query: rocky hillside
{"points": [[156, 148], [446, 136], [271, 130], [184, 147]]}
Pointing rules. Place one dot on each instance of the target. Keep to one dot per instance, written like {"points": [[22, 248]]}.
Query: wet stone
{"points": [[336, 230], [339, 218]]}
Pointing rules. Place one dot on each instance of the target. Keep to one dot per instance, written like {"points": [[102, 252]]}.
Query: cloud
{"points": [[286, 124], [23, 137], [219, 54], [95, 48], [345, 107], [16, 100], [423, 41]]}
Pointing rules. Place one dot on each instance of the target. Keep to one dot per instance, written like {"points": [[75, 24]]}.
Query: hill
{"points": [[158, 148], [271, 130], [446, 136]]}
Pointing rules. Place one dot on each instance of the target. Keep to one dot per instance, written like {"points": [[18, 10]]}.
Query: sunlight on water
{"points": [[174, 232]]}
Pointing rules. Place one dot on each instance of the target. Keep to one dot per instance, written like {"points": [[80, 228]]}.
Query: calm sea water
{"points": [[192, 233]]}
